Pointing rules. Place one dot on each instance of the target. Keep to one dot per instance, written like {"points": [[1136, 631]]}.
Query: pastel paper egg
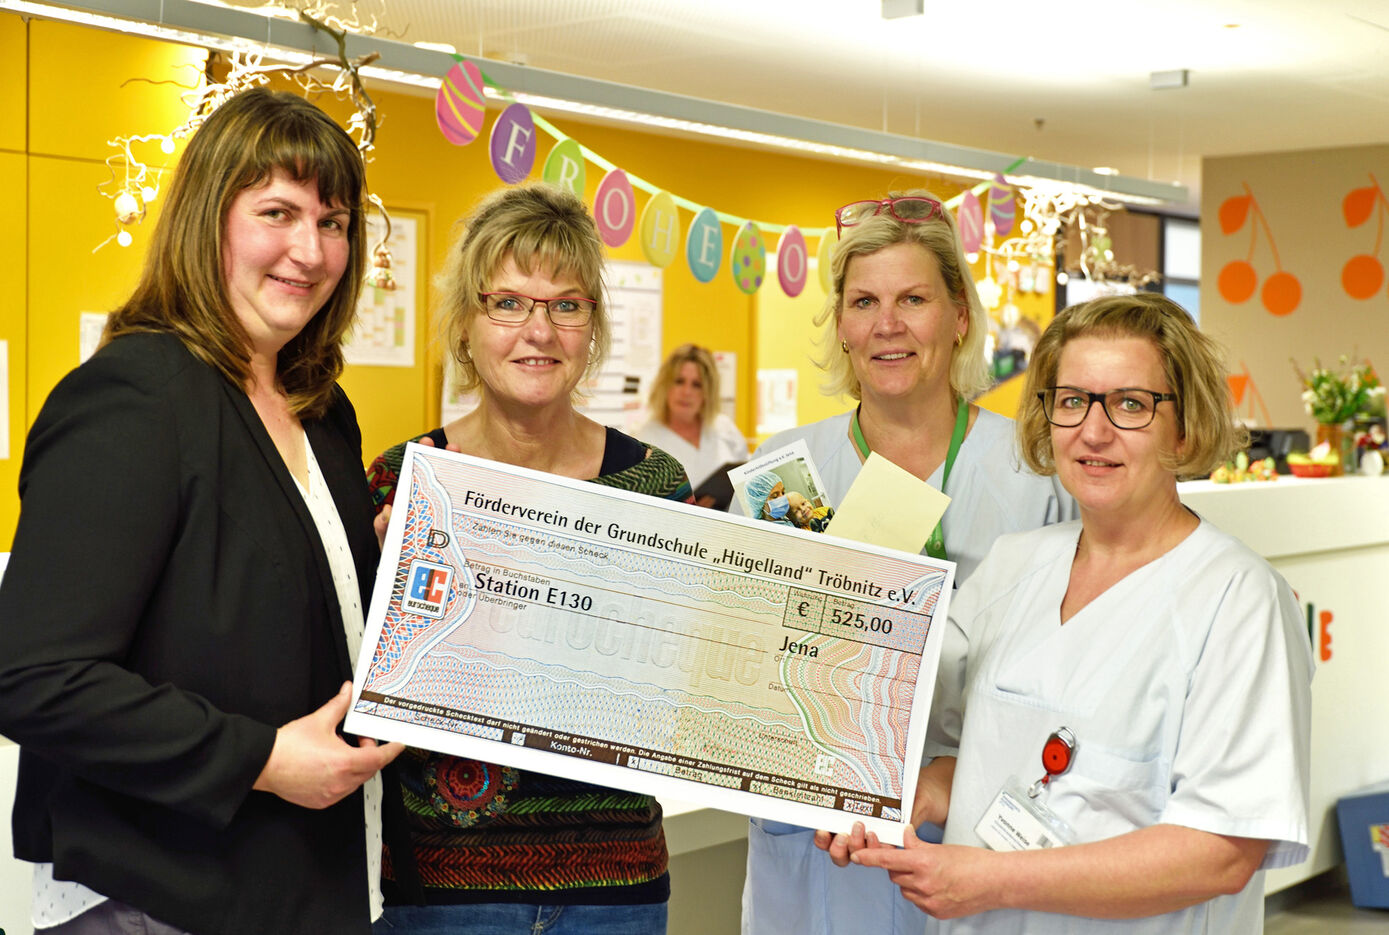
{"points": [[1001, 207], [970, 218], [660, 232], [824, 261], [792, 263], [704, 245], [564, 167], [748, 262], [615, 208], [458, 107], [512, 144]]}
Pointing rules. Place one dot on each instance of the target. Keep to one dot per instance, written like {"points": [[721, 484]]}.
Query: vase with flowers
{"points": [[1335, 397]]}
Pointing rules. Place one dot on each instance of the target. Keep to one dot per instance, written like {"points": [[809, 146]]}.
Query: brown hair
{"points": [[969, 371], [535, 225], [1191, 362], [659, 399], [183, 288]]}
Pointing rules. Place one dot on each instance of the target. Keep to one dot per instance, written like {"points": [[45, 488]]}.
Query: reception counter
{"points": [[1329, 538]]}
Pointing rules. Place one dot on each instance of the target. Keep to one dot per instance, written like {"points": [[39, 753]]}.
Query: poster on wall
{"points": [[726, 363], [384, 333], [616, 395], [776, 400]]}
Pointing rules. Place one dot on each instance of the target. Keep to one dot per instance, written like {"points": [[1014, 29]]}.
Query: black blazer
{"points": [[167, 606]]}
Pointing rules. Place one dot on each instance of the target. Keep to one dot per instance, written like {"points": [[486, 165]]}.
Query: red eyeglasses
{"points": [[910, 209]]}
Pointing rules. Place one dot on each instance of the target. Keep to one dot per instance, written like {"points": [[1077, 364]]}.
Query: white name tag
{"points": [[1015, 822]]}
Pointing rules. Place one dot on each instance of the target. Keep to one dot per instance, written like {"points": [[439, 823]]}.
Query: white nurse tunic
{"points": [[792, 887], [720, 441], [1187, 685]]}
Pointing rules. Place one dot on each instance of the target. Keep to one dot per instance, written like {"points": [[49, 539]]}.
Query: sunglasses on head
{"points": [[910, 209]]}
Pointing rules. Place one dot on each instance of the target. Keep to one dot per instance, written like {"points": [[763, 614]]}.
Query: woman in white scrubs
{"points": [[904, 334], [1135, 686], [685, 418]]}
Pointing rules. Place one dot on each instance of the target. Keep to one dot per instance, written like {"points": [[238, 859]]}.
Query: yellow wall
{"points": [[69, 81], [13, 247]]}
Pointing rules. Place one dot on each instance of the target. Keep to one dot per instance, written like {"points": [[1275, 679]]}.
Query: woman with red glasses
{"points": [[1142, 677], [903, 333], [492, 849]]}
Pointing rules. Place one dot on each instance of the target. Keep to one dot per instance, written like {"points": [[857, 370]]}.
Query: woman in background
{"points": [[494, 849], [184, 599], [904, 334], [1173, 656], [685, 418]]}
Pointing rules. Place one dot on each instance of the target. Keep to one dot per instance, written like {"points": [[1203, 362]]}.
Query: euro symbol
{"points": [[801, 609]]}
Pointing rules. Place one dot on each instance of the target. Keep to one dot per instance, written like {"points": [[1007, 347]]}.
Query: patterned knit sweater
{"points": [[481, 832]]}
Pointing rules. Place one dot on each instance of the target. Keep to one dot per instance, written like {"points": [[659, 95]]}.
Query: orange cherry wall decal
{"points": [[1363, 274], [1238, 280]]}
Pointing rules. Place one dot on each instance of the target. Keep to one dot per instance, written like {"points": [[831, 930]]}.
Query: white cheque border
{"points": [[680, 517]]}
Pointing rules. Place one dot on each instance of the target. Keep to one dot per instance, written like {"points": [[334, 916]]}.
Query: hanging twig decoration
{"points": [[133, 183]]}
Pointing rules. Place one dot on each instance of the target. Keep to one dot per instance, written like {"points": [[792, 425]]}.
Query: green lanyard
{"points": [[935, 546]]}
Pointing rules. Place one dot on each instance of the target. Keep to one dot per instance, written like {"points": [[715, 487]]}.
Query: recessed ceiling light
{"points": [[1105, 170]]}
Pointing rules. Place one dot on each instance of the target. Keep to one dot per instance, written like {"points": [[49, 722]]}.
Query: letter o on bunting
{"points": [[512, 144], [748, 263], [614, 208], [792, 264], [564, 167], [660, 234], [704, 245]]}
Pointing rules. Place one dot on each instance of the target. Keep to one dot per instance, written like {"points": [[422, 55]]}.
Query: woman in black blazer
{"points": [[192, 560]]}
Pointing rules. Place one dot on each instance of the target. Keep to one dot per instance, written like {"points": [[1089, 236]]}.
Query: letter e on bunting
{"points": [[704, 245]]}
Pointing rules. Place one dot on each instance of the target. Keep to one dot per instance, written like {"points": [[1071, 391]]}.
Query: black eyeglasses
{"points": [[910, 209], [512, 308], [1126, 408]]}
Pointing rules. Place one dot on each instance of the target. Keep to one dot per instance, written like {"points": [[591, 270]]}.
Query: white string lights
{"points": [[134, 183]]}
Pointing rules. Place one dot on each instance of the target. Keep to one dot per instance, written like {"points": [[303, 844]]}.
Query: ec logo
{"points": [[426, 589]]}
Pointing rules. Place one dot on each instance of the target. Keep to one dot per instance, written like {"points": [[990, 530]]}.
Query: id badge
{"points": [[1017, 822]]}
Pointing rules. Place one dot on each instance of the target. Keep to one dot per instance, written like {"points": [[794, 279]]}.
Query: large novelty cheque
{"points": [[577, 630]]}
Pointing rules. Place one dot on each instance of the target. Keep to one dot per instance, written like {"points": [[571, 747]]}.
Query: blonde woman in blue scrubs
{"points": [[904, 335]]}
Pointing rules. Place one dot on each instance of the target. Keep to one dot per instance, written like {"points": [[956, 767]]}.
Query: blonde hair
{"points": [[183, 288], [969, 371], [535, 225], [659, 399], [1191, 362]]}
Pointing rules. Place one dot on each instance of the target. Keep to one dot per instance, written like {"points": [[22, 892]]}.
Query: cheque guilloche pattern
{"points": [[402, 645]]}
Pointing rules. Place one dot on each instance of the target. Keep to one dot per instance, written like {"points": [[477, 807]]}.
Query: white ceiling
{"points": [[1059, 80]]}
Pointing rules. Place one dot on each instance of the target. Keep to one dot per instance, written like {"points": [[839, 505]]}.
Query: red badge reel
{"points": [[1057, 754]]}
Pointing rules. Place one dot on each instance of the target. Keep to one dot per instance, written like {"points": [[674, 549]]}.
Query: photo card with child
{"points": [[784, 486]]}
